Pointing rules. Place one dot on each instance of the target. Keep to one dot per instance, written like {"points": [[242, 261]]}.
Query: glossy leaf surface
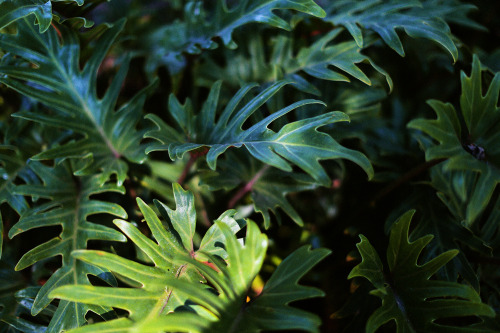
{"points": [[297, 143], [69, 205], [55, 79]]}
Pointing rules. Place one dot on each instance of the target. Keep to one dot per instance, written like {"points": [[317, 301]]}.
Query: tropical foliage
{"points": [[208, 166]]}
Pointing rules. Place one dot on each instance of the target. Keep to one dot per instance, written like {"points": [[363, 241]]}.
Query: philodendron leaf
{"points": [[53, 77], [156, 297], [316, 60], [69, 205], [472, 147], [12, 167], [409, 296], [199, 26], [424, 19], [230, 271], [297, 143], [325, 59], [12, 10]]}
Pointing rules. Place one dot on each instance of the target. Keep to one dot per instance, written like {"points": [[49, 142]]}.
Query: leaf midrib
{"points": [[83, 104]]}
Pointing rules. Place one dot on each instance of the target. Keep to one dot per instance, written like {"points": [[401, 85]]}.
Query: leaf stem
{"points": [[193, 156], [247, 188], [405, 178]]}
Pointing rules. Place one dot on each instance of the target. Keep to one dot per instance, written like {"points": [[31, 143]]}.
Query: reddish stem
{"points": [[247, 188], [193, 156], [405, 178]]}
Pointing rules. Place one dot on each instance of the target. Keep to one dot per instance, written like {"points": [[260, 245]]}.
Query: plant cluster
{"points": [[209, 166]]}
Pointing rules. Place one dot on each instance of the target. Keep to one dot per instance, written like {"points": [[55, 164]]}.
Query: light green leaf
{"points": [[156, 297], [271, 309], [69, 205], [297, 143], [473, 147], [218, 310], [409, 296]]}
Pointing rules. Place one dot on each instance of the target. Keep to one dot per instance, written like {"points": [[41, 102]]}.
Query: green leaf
{"points": [[471, 147], [69, 206], [409, 296], [297, 143], [156, 297], [218, 310], [10, 282], [316, 59], [13, 167], [268, 187], [55, 79], [12, 10], [419, 19], [199, 27], [323, 59], [271, 309]]}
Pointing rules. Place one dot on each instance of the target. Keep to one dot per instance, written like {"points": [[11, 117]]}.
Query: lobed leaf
{"points": [[419, 19], [409, 296], [297, 143], [69, 205], [152, 306], [471, 147], [155, 297], [200, 27], [55, 79]]}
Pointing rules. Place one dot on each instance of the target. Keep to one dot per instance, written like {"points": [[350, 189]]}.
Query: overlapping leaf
{"points": [[53, 77], [268, 187], [200, 26], [297, 143], [69, 205], [472, 147], [425, 19], [156, 297], [324, 60], [408, 295], [13, 165], [316, 59], [13, 10], [219, 310], [10, 282]]}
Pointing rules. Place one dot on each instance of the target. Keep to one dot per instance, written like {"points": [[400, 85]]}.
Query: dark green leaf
{"points": [[424, 19], [297, 143], [55, 79], [408, 295], [471, 147]]}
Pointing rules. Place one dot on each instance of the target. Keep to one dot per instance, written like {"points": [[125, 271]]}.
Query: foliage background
{"points": [[161, 47]]}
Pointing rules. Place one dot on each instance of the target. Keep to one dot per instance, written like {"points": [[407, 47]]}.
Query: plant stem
{"points": [[247, 188], [405, 178], [193, 156], [187, 167], [204, 215]]}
